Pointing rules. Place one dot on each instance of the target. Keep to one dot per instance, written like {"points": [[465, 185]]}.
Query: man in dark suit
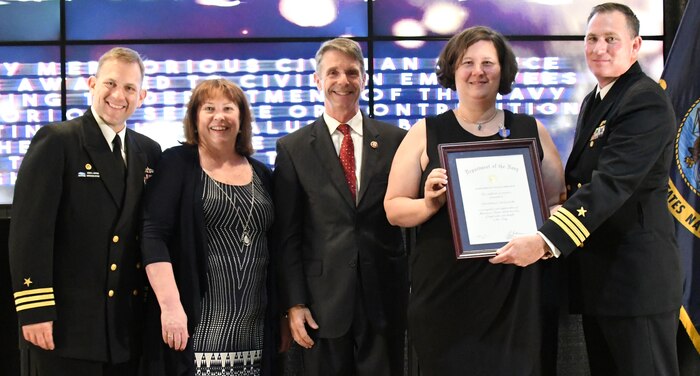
{"points": [[343, 266], [615, 229], [74, 248]]}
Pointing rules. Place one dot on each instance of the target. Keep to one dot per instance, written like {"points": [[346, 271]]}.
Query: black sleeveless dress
{"points": [[469, 317]]}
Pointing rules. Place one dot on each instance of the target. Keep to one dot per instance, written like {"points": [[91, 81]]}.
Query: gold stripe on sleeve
{"points": [[35, 305], [575, 221], [577, 241], [45, 290], [34, 298], [570, 225]]}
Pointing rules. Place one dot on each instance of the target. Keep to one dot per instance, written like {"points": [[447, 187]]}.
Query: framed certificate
{"points": [[494, 193]]}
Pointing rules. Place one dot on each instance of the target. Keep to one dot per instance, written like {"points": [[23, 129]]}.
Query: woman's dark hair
{"points": [[451, 55]]}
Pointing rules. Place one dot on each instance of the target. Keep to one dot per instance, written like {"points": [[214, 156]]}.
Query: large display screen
{"points": [[415, 18], [552, 81], [276, 74], [22, 20], [277, 78], [30, 97], [150, 19]]}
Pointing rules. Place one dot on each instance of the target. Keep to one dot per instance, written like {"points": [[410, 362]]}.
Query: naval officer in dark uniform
{"points": [[615, 229], [74, 250]]}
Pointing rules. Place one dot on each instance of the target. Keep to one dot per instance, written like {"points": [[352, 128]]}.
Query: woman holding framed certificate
{"points": [[468, 316]]}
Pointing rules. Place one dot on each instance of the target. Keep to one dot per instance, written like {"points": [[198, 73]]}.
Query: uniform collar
{"points": [[107, 131], [605, 89]]}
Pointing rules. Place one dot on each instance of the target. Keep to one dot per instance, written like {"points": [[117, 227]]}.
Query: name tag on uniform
{"points": [[88, 174]]}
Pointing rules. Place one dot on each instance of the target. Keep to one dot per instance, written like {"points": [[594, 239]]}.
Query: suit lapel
{"points": [[322, 145], [136, 166], [370, 155], [102, 158], [582, 127]]}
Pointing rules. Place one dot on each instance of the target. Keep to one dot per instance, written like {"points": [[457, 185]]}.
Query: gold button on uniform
{"points": [[138, 265], [115, 239], [113, 267], [110, 293], [578, 185], [135, 292]]}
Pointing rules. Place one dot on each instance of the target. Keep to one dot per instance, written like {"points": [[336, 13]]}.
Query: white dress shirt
{"points": [[109, 133]]}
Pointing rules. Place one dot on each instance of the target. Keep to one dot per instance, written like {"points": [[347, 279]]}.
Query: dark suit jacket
{"points": [[174, 231], [615, 226], [328, 245], [74, 250]]}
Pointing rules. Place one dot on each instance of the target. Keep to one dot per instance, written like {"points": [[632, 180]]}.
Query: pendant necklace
{"points": [[479, 124], [245, 235]]}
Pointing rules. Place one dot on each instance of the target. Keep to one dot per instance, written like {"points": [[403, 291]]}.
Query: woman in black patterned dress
{"points": [[468, 317], [205, 246]]}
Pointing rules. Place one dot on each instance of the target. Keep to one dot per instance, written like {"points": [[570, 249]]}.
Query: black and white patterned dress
{"points": [[229, 337]]}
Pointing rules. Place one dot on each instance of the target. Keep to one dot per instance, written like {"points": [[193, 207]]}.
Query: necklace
{"points": [[479, 124], [245, 235]]}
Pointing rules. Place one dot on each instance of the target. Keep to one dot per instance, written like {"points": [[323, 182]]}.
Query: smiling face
{"points": [[478, 73], [610, 47], [218, 123], [116, 92], [341, 79]]}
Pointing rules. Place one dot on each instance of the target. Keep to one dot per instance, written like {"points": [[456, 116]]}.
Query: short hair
{"points": [[208, 89], [123, 54], [632, 20], [343, 45], [456, 47]]}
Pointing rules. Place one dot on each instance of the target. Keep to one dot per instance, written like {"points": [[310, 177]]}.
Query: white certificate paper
{"points": [[496, 197]]}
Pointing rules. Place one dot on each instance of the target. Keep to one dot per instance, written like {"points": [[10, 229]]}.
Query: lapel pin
{"points": [[147, 174], [374, 144]]}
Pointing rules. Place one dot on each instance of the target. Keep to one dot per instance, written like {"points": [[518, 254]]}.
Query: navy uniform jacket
{"points": [[615, 226], [328, 245], [74, 249]]}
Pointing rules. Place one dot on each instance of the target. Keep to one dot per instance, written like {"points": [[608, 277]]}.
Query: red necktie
{"points": [[347, 158]]}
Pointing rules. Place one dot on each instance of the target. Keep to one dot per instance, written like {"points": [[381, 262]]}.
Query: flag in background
{"points": [[681, 79]]}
